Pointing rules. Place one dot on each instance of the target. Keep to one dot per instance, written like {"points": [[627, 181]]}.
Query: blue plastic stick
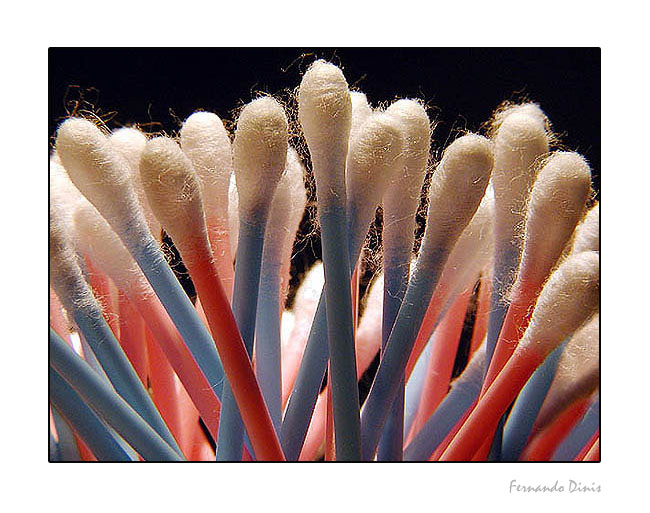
{"points": [[580, 434], [312, 368], [396, 277], [524, 412], [181, 311], [244, 307], [268, 365], [340, 334], [506, 258], [100, 439], [91, 359], [108, 404], [463, 393], [67, 444], [400, 344], [414, 386], [119, 370]]}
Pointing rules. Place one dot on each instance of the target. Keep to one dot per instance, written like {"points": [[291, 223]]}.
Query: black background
{"points": [[462, 87]]}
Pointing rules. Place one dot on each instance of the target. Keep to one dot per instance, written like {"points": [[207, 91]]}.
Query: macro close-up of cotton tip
{"points": [[568, 299], [465, 166], [324, 270]]}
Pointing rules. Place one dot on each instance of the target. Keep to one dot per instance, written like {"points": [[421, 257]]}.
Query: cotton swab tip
{"points": [[172, 189], [259, 154], [374, 160], [557, 202], [325, 113], [98, 171], [206, 143], [458, 185], [570, 296]]}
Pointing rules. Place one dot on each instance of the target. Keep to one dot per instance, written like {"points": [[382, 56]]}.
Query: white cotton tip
{"points": [[360, 111], [206, 143], [62, 190], [130, 143], [375, 159], [259, 155], [325, 113], [587, 234], [99, 172], [472, 251], [233, 215], [557, 203], [286, 211], [570, 297], [520, 140], [456, 190], [66, 277], [96, 239], [402, 198], [578, 372], [173, 190]]}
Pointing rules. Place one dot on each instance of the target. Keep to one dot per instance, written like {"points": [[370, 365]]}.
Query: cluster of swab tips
{"points": [[486, 337]]}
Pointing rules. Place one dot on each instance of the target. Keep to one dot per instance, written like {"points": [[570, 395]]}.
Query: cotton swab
{"points": [[557, 203], [367, 345], [259, 158], [324, 110], [104, 177], [520, 140], [470, 256], [286, 212], [577, 375], [130, 143], [568, 299], [311, 289], [374, 159], [463, 173], [102, 244], [206, 143], [462, 396], [174, 196], [100, 439], [401, 202], [70, 286], [106, 403]]}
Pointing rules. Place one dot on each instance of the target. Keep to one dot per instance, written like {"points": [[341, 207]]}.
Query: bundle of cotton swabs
{"points": [[138, 371]]}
